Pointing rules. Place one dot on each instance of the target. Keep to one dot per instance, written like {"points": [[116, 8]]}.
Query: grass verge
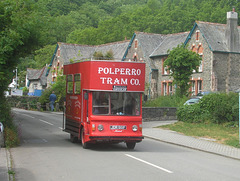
{"points": [[219, 133]]}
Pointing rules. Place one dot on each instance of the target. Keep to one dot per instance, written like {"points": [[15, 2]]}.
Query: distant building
{"points": [[66, 53], [36, 80]]}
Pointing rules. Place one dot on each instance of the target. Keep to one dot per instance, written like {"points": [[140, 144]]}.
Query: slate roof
{"points": [[82, 52], [170, 41], [149, 41], [214, 34], [37, 74]]}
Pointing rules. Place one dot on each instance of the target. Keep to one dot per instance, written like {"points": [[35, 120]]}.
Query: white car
{"points": [[192, 101], [1, 128]]}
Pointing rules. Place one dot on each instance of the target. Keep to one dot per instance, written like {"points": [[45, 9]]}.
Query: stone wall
{"points": [[159, 113]]}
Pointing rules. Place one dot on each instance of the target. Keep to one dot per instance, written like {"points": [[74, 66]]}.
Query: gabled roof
{"points": [[148, 42], [214, 34], [37, 74], [170, 41], [74, 52], [80, 52]]}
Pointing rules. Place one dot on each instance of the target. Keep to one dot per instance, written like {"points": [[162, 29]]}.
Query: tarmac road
{"points": [[46, 153]]}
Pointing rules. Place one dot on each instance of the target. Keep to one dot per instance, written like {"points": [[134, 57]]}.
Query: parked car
{"points": [[1, 135], [192, 101], [200, 95], [1, 127]]}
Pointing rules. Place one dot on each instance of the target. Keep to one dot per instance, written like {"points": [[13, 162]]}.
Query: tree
{"points": [[181, 63]]}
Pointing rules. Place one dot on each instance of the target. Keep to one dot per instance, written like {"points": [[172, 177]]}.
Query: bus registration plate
{"points": [[118, 127]]}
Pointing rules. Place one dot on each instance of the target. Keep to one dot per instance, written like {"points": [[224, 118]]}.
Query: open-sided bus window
{"points": [[116, 103], [69, 84], [77, 84]]}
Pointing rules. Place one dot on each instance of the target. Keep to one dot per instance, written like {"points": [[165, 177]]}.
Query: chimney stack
{"points": [[231, 34]]}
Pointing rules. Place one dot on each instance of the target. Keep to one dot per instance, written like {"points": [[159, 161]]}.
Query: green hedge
{"points": [[165, 101], [216, 108]]}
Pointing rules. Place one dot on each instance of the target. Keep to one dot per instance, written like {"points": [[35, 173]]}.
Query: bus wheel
{"points": [[84, 144], [131, 145], [73, 138]]}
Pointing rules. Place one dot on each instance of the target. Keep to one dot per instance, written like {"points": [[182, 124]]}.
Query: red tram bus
{"points": [[104, 102]]}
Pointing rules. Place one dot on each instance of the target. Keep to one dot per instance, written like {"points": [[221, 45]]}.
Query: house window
{"points": [[135, 58], [200, 49], [200, 68], [167, 88], [136, 44], [77, 83], [164, 88], [199, 82], [197, 35], [194, 49], [170, 88], [193, 88], [164, 68], [69, 84], [35, 86]]}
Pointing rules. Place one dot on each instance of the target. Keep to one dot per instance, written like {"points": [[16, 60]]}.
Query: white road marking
{"points": [[45, 122], [163, 169], [28, 116]]}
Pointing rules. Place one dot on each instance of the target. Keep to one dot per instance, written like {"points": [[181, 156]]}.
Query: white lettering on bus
{"points": [[116, 81], [134, 82], [120, 71]]}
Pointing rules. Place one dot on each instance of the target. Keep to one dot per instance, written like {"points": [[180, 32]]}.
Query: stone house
{"points": [[217, 44], [36, 80], [66, 53], [144, 47]]}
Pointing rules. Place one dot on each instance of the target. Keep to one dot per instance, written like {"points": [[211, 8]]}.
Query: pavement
{"points": [[150, 131]]}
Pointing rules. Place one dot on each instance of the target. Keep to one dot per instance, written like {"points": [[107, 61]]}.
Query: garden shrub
{"points": [[192, 114], [217, 108], [165, 101]]}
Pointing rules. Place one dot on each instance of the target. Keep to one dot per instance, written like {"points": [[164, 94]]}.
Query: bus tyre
{"points": [[131, 145], [73, 138], [84, 144]]}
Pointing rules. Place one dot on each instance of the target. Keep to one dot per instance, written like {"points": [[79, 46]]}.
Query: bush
{"points": [[217, 108], [166, 101], [192, 114]]}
